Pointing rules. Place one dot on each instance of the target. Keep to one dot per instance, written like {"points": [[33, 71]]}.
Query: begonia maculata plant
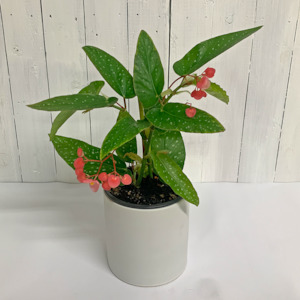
{"points": [[161, 121]]}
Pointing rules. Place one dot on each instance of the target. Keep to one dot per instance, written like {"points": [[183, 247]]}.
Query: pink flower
{"points": [[106, 186], [94, 185], [198, 94], [113, 181], [80, 152], [126, 179], [203, 83], [79, 163], [209, 72]]}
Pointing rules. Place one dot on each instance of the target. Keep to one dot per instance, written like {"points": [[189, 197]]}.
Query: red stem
{"points": [[175, 81]]}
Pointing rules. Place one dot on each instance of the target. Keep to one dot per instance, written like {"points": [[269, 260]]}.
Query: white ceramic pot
{"points": [[146, 246]]}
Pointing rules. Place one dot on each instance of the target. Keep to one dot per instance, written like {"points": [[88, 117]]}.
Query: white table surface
{"points": [[244, 244]]}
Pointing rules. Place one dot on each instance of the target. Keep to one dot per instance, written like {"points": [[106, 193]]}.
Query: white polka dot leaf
{"points": [[205, 51], [171, 142], [172, 175], [148, 73], [115, 74], [93, 88], [74, 102], [160, 122], [67, 149], [129, 147], [173, 117], [122, 132]]}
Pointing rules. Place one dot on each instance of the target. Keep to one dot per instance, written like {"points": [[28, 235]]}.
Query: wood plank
{"points": [[64, 36], [106, 28], [9, 152], [215, 157], [288, 164], [26, 62], [272, 49]]}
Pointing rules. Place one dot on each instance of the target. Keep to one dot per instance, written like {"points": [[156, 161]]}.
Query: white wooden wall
{"points": [[41, 57]]}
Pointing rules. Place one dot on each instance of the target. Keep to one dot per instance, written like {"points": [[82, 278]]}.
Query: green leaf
{"points": [[172, 175], [60, 119], [134, 156], [207, 50], [122, 132], [129, 147], [112, 71], [173, 117], [93, 88], [172, 142], [67, 149], [216, 91], [148, 73], [74, 102]]}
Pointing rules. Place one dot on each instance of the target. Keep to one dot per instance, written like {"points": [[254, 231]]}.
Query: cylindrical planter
{"points": [[146, 246]]}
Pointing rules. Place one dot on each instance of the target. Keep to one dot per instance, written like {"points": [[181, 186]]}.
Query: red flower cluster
{"points": [[109, 181], [199, 92], [203, 84], [81, 176]]}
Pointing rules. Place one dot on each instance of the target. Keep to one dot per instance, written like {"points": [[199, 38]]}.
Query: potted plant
{"points": [[147, 195]]}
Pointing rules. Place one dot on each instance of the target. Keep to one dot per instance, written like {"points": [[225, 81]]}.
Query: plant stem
{"points": [[141, 110], [150, 168], [173, 93], [119, 108], [144, 161]]}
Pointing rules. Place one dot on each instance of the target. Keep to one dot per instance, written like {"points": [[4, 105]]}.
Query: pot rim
{"points": [[141, 206]]}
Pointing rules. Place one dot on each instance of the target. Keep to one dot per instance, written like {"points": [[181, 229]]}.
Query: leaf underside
{"points": [[216, 91]]}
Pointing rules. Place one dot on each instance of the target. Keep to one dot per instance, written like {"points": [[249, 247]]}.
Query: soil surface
{"points": [[152, 191]]}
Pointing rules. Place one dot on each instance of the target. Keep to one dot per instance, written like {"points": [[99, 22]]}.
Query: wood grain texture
{"points": [[106, 28], [64, 36], [270, 66], [9, 152], [215, 157], [27, 68], [288, 163]]}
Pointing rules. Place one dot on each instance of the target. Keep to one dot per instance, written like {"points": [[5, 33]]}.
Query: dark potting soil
{"points": [[152, 191]]}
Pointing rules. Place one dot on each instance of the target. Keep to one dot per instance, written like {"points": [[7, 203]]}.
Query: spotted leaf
{"points": [[148, 73], [67, 149], [173, 117], [115, 74], [172, 175], [93, 88], [74, 102], [209, 49], [129, 147], [172, 142], [122, 132]]}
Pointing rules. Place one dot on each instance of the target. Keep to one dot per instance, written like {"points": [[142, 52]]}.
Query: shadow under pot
{"points": [[146, 245]]}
